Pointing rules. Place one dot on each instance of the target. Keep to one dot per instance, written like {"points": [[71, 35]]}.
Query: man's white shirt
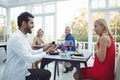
{"points": [[20, 56]]}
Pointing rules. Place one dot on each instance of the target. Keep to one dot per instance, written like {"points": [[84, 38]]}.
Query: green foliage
{"points": [[80, 26], [62, 38], [80, 33], [14, 26], [1, 33], [115, 25]]}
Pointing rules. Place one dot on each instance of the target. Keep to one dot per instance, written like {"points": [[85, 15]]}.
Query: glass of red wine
{"points": [[70, 44], [66, 45]]}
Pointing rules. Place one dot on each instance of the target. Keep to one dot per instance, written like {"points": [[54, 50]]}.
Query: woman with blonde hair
{"points": [[37, 41], [37, 44], [104, 62]]}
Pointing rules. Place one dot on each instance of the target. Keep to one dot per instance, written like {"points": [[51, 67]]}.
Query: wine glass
{"points": [[70, 44], [65, 45]]}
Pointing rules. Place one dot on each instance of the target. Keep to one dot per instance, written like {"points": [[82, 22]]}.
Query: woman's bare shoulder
{"points": [[103, 38], [35, 38], [106, 39]]}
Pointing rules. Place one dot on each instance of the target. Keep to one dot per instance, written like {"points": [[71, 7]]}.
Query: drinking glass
{"points": [[70, 44], [66, 45]]}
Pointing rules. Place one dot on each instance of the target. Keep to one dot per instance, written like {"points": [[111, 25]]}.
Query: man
{"points": [[69, 37], [20, 56]]}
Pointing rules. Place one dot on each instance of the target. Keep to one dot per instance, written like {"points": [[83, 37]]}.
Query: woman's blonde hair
{"points": [[39, 31], [103, 23]]}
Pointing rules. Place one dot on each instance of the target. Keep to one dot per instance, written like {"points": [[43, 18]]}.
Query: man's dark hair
{"points": [[24, 17]]}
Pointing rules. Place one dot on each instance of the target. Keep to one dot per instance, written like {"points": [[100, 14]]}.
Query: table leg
{"points": [[55, 70], [85, 64], [5, 47], [78, 70]]}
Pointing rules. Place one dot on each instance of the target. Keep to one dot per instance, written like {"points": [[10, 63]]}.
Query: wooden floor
{"points": [[62, 76]]}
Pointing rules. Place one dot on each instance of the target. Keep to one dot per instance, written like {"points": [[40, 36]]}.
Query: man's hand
{"points": [[52, 48], [47, 46]]}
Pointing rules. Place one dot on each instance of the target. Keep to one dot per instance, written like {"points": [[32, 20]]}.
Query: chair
{"points": [[80, 47], [117, 68]]}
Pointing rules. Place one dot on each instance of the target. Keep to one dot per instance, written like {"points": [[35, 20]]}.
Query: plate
{"points": [[77, 55], [54, 53]]}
